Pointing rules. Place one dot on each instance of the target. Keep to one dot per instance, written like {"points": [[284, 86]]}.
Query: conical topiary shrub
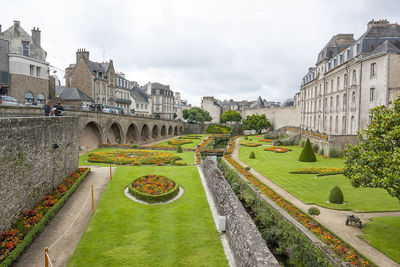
{"points": [[336, 196], [252, 155], [307, 154], [179, 149]]}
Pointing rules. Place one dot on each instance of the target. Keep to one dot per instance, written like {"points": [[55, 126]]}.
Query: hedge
{"points": [[218, 129], [38, 228], [152, 198]]}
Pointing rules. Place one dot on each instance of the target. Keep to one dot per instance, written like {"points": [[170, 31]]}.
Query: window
{"points": [[330, 123], [25, 49], [137, 106], [32, 70], [354, 78], [157, 92], [337, 102], [345, 81], [344, 124], [341, 59], [371, 94], [353, 97], [331, 86], [336, 124], [373, 69], [319, 105], [41, 99], [353, 130], [344, 102], [338, 84], [29, 97], [37, 71], [331, 104]]}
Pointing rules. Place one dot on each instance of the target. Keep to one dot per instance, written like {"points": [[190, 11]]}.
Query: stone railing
{"points": [[245, 241]]}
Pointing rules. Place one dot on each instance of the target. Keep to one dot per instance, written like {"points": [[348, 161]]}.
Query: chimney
{"points": [[16, 23], [36, 36], [381, 22], [82, 53]]}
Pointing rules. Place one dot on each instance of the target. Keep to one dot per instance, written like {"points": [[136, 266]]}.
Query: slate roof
{"points": [[72, 94], [159, 86], [386, 47], [139, 95]]}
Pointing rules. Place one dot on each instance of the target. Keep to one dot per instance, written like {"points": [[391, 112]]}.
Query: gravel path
{"points": [[63, 250], [332, 219]]}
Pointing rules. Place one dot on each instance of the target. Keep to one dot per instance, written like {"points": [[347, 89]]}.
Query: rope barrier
{"points": [[90, 191], [47, 260]]}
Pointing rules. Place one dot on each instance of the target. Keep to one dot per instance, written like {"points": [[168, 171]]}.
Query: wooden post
{"points": [[92, 201], [46, 259], [110, 173]]}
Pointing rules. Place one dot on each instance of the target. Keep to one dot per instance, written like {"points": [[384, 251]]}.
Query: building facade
{"points": [[180, 105], [27, 66], [350, 78], [4, 69], [162, 99], [122, 92], [141, 102]]}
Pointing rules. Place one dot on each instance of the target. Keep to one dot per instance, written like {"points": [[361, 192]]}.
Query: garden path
{"points": [[332, 219], [63, 250]]}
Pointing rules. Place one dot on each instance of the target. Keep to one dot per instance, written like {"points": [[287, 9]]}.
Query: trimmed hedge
{"points": [[151, 198], [179, 149], [336, 196], [333, 153], [218, 129], [307, 154], [288, 245], [38, 228], [252, 155]]}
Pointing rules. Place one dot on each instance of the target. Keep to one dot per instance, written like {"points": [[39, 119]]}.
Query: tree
{"points": [[196, 115], [375, 161], [231, 115], [256, 122]]}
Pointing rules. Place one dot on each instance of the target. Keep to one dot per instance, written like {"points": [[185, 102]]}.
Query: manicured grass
{"points": [[384, 234], [187, 157], [125, 233], [194, 143], [311, 189]]}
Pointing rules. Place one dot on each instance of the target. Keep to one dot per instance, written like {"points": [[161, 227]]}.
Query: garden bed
{"points": [[14, 241], [153, 188], [133, 157], [277, 149]]}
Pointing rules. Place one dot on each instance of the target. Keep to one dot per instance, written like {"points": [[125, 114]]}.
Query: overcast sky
{"points": [[227, 49]]}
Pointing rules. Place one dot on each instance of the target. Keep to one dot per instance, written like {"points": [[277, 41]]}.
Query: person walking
{"points": [[47, 108], [59, 107]]}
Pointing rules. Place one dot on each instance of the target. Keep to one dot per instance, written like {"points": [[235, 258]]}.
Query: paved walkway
{"points": [[332, 219], [63, 250]]}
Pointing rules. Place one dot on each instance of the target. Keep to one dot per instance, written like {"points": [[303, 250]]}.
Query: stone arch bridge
{"points": [[98, 127]]}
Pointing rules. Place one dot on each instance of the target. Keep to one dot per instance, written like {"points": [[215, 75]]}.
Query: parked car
{"points": [[8, 101]]}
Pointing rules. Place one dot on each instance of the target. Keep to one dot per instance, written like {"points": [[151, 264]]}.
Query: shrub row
{"points": [[154, 198], [39, 226], [218, 129], [283, 239]]}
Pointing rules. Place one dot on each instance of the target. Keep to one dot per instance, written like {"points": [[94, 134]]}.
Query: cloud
{"points": [[228, 49]]}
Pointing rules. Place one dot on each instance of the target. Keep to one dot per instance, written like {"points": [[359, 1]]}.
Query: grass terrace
{"points": [[311, 189], [125, 233], [194, 143], [187, 157], [384, 234]]}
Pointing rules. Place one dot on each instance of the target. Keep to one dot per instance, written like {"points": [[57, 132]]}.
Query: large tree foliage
{"points": [[231, 115], [256, 123], [375, 161], [196, 115]]}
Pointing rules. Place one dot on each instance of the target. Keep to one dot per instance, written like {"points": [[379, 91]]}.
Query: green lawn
{"points": [[125, 233], [384, 234], [187, 157], [194, 143], [309, 188]]}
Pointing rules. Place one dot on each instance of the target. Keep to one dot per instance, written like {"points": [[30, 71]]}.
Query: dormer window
{"points": [[25, 49]]}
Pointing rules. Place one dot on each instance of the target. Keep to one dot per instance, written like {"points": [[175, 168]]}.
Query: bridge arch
{"points": [[114, 134], [132, 134], [154, 132], [91, 135], [145, 133], [176, 130], [163, 131], [170, 130], [180, 130]]}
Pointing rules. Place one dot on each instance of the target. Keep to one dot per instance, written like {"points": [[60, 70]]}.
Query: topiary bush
{"points": [[314, 211], [252, 155], [179, 149], [247, 168], [333, 153], [336, 196], [307, 154]]}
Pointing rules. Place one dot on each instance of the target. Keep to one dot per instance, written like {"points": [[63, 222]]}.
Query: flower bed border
{"points": [[38, 228], [319, 230], [109, 159], [272, 149], [250, 144], [154, 198], [336, 171]]}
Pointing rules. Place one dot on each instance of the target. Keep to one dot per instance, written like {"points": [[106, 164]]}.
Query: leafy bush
{"points": [[252, 155], [307, 154], [314, 211], [247, 168], [134, 146], [179, 149], [321, 151], [218, 129], [302, 142], [336, 196], [333, 153], [316, 148]]}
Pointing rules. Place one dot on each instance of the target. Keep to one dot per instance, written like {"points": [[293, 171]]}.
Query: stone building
{"points": [[349, 78], [73, 97], [97, 80], [141, 102], [28, 69], [180, 105], [122, 94], [4, 69], [162, 99], [213, 106]]}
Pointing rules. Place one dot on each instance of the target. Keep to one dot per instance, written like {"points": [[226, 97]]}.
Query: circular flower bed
{"points": [[133, 156], [176, 142], [250, 144], [153, 188], [277, 149]]}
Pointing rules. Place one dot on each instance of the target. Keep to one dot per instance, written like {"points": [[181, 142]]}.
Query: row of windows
{"points": [[122, 83], [141, 106], [161, 92], [34, 70], [30, 98], [311, 122]]}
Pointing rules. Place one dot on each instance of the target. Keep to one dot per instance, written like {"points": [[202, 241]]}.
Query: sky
{"points": [[227, 49]]}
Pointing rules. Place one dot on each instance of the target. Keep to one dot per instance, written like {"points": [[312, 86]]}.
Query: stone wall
{"points": [[246, 242], [210, 104], [195, 128], [21, 84], [30, 166]]}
